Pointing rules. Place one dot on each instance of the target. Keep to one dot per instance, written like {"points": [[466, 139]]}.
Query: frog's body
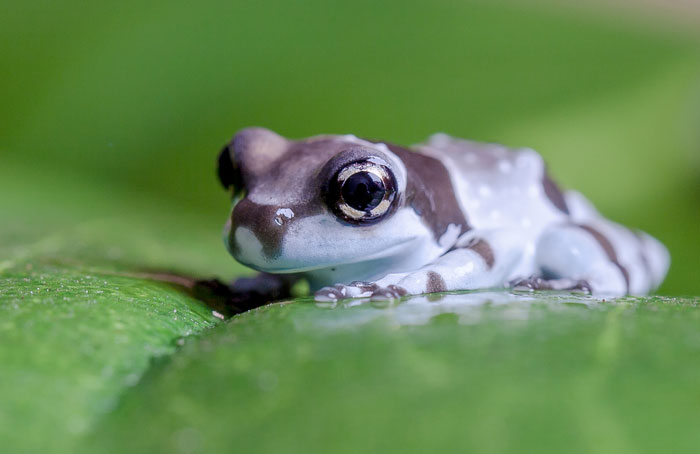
{"points": [[382, 221]]}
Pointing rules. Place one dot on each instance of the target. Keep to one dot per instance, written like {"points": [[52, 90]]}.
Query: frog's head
{"points": [[315, 203]]}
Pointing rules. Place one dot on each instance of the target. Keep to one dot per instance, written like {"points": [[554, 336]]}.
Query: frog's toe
{"points": [[341, 291], [563, 284], [330, 294], [530, 283], [582, 286], [360, 289], [389, 293]]}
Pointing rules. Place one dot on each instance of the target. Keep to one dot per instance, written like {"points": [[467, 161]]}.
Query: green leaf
{"points": [[73, 340], [480, 372], [112, 116]]}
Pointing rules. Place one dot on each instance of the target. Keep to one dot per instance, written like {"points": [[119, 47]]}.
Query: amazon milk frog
{"points": [[369, 219]]}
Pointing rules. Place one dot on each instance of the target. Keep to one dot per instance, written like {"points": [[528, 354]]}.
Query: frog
{"points": [[369, 219]]}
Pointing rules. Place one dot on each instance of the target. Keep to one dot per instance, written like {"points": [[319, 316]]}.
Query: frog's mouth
{"points": [[382, 259]]}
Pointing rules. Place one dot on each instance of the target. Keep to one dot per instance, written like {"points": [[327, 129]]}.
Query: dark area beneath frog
{"points": [[241, 295]]}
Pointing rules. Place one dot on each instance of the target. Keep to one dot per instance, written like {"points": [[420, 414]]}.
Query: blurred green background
{"points": [[112, 115], [112, 109]]}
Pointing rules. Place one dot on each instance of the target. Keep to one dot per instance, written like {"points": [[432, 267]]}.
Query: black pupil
{"points": [[363, 191]]}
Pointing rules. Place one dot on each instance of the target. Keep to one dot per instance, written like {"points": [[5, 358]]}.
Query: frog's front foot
{"points": [[360, 289], [537, 283]]}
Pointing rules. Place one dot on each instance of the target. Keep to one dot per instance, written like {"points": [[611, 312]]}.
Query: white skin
{"points": [[516, 233]]}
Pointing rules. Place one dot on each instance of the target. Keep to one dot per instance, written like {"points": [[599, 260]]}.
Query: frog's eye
{"points": [[363, 192]]}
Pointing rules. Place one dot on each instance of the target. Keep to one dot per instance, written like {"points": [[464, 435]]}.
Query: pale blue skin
{"points": [[515, 230]]}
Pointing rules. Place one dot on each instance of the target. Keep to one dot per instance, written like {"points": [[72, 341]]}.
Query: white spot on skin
{"points": [[282, 215], [505, 166], [286, 212], [484, 191], [467, 268], [529, 160]]}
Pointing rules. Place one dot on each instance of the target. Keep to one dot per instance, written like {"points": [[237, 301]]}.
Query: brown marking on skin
{"points": [[429, 191], [609, 251], [603, 241], [482, 248], [553, 193], [260, 219], [435, 283]]}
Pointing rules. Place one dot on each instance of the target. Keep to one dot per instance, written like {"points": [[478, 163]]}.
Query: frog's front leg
{"points": [[478, 260]]}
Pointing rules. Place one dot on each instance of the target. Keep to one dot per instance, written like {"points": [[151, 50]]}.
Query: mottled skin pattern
{"points": [[460, 215]]}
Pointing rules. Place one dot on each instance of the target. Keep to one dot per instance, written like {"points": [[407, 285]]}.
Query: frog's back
{"points": [[503, 188], [499, 186]]}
